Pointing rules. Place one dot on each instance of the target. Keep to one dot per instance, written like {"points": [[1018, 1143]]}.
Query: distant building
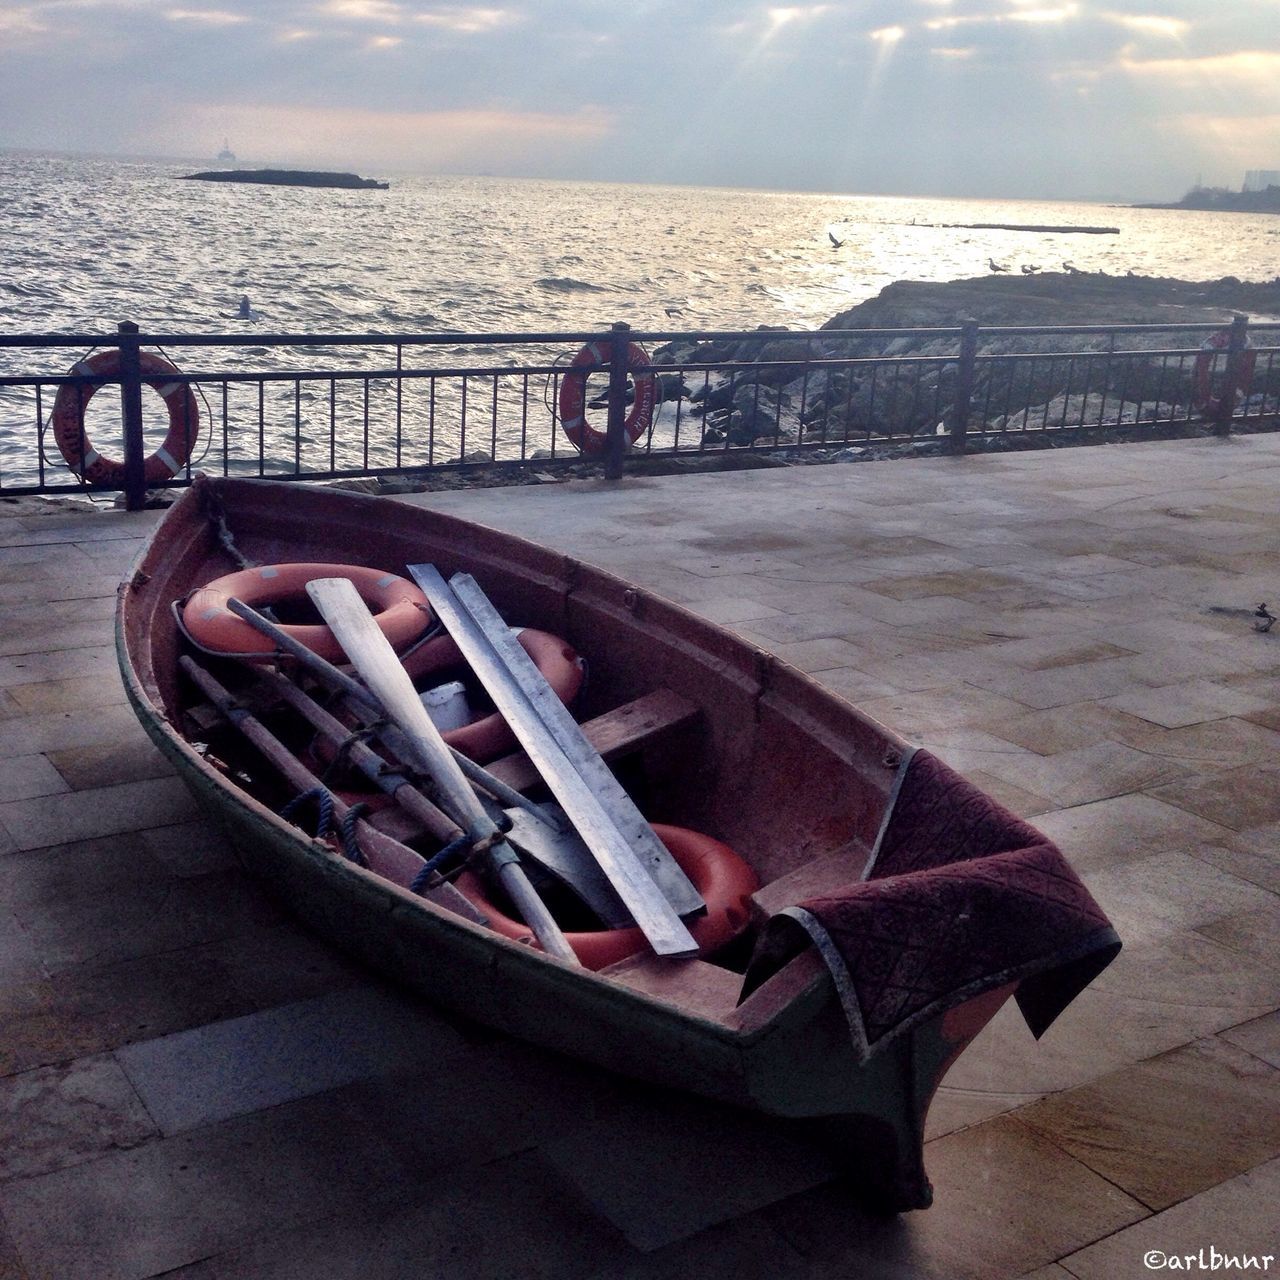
{"points": [[227, 154], [1261, 179]]}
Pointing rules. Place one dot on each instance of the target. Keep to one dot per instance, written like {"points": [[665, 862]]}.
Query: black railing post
{"points": [[615, 443], [1239, 336], [135, 480], [965, 369]]}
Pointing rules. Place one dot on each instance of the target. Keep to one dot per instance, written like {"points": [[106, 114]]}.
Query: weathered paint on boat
{"points": [[774, 765]]}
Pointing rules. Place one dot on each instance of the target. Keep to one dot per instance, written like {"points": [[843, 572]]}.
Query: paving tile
{"points": [[19, 962], [26, 776], [87, 1010], [81, 815], [98, 660], [1064, 685], [1170, 1127], [922, 713], [1252, 855], [747, 1249], [1236, 798], [190, 848], [62, 1115], [144, 918], [245, 1064], [33, 878], [985, 1222], [1169, 892], [511, 1219], [105, 765], [1043, 653], [54, 731], [1261, 1037], [689, 1166], [1125, 829], [1088, 773], [177, 1200], [1212, 745], [1236, 1218], [1165, 992], [1188, 703]]}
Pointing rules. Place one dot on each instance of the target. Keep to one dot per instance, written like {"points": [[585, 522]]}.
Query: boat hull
{"points": [[786, 1052]]}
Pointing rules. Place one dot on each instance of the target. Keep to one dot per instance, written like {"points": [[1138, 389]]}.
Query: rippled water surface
{"points": [[87, 243]]}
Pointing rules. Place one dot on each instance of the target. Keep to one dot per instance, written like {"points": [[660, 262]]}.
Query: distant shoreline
{"points": [[290, 178], [1212, 200]]}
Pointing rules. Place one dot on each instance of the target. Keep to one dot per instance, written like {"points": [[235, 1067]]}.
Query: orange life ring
{"points": [[573, 395], [68, 420], [399, 608], [1205, 400], [719, 875], [490, 737]]}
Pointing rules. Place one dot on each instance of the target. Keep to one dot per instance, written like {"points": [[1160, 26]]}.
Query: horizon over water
{"points": [[88, 242]]}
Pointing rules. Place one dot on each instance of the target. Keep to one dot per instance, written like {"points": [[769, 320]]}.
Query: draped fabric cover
{"points": [[959, 897]]}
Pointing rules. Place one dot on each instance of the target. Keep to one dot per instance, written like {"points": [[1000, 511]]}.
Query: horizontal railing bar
{"points": [[584, 336]]}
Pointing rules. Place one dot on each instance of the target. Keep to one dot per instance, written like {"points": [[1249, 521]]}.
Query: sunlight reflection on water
{"points": [[89, 242]]}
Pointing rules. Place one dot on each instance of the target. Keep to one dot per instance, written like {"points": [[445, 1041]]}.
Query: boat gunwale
{"points": [[739, 1028]]}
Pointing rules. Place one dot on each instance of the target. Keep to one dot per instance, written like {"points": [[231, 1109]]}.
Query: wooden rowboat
{"points": [[707, 733]]}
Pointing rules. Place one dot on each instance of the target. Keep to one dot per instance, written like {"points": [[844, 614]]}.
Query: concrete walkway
{"points": [[190, 1086]]}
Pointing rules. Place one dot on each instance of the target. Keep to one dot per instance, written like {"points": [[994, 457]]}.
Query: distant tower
{"points": [[226, 153]]}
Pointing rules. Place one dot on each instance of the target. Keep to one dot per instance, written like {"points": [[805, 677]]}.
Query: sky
{"points": [[1001, 98]]}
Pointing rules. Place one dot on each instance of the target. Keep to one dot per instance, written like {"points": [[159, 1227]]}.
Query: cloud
{"points": [[208, 17], [463, 140], [467, 21]]}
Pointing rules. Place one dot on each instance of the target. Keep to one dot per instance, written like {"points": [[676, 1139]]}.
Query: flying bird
{"points": [[835, 244], [995, 266]]}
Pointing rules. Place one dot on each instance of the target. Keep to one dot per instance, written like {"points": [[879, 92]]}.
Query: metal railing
{"points": [[322, 406]]}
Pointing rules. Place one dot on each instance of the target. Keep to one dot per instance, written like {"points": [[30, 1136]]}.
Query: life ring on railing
{"points": [[1205, 400], [399, 608], [68, 420], [573, 395], [723, 879]]}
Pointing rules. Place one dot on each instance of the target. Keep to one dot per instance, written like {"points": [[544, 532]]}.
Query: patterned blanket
{"points": [[959, 897]]}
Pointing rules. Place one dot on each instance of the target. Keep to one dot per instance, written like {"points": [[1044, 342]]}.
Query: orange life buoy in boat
{"points": [[399, 608], [573, 395], [1205, 400], [490, 737], [723, 879], [68, 420]]}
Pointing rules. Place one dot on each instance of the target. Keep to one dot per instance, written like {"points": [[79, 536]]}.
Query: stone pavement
{"points": [[191, 1086]]}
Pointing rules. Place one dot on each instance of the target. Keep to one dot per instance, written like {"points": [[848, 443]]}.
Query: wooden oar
{"points": [[397, 862], [631, 877], [538, 831], [371, 653], [356, 693]]}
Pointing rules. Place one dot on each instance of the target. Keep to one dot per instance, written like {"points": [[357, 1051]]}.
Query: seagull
{"points": [[835, 244], [1071, 270], [672, 311], [995, 266], [1028, 269]]}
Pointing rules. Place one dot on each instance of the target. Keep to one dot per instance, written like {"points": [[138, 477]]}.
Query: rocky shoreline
{"points": [[290, 178]]}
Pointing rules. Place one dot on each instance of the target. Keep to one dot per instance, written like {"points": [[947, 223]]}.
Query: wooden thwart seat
{"points": [[629, 727]]}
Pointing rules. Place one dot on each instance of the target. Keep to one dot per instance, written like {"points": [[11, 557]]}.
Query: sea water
{"points": [[88, 242]]}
